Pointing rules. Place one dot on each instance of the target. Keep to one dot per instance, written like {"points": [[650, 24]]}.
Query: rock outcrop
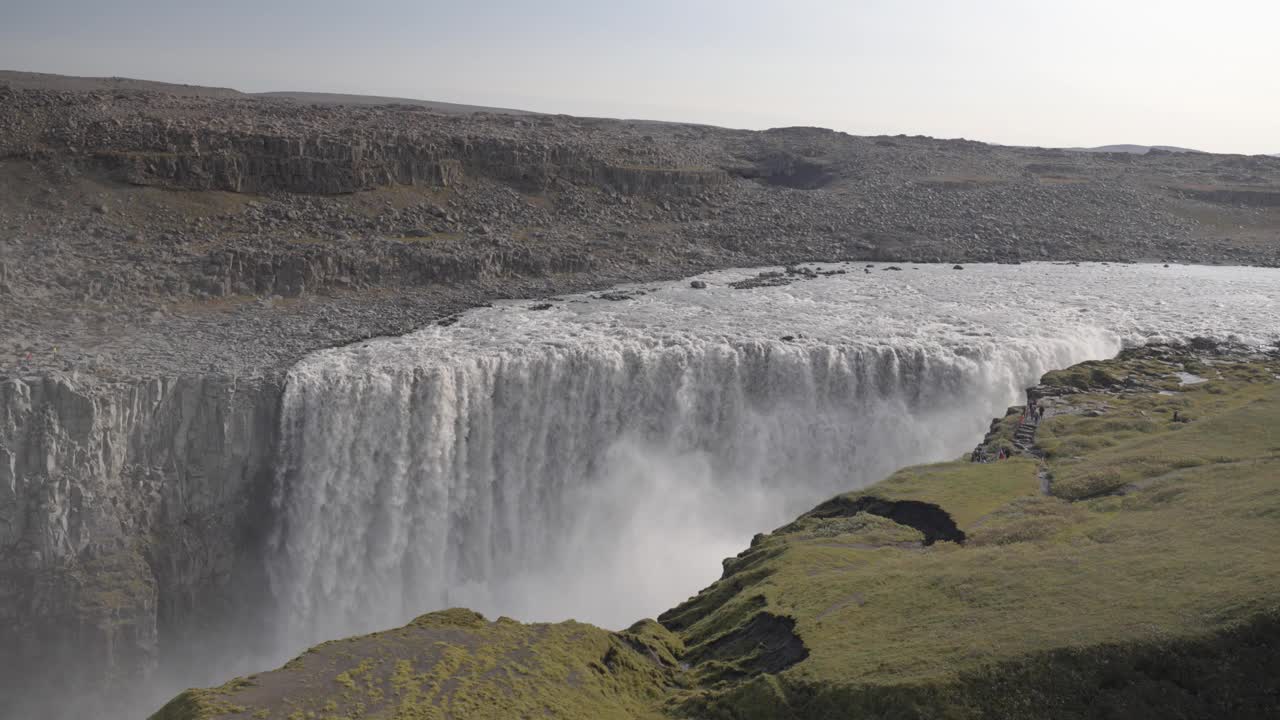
{"points": [[203, 160], [1245, 197]]}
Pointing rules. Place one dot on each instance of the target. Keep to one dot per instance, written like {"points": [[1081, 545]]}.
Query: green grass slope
{"points": [[1130, 572]]}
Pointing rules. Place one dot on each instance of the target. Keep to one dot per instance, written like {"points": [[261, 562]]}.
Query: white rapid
{"points": [[597, 459]]}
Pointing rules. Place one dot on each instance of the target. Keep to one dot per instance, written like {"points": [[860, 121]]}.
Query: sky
{"points": [[1056, 73]]}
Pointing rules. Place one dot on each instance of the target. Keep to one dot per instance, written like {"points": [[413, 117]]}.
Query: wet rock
{"points": [[763, 280]]}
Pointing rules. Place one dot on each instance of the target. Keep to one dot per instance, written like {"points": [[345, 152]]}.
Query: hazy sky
{"points": [[1044, 72]]}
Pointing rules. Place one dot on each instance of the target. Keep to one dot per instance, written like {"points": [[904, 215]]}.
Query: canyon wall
{"points": [[128, 516], [266, 271], [250, 161]]}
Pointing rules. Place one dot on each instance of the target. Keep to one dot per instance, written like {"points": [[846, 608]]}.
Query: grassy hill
{"points": [[1129, 572]]}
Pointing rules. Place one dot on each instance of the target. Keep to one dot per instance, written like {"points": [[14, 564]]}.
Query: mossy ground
{"points": [[1143, 585], [456, 664]]}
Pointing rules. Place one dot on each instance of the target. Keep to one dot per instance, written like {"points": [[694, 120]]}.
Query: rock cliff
{"points": [[323, 165], [128, 516]]}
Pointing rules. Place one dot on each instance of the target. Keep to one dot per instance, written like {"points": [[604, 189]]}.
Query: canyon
{"points": [[176, 266]]}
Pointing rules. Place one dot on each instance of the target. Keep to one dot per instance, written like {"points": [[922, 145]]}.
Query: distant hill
{"points": [[49, 81], [341, 99], [46, 81], [1135, 149]]}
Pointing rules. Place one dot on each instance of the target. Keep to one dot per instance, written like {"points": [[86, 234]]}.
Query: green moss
{"points": [[1084, 376], [862, 528], [967, 491], [453, 617], [188, 705], [661, 644], [456, 664], [1026, 520], [198, 705], [1231, 673]]}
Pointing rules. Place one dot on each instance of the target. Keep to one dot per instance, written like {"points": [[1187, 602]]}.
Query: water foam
{"points": [[597, 459]]}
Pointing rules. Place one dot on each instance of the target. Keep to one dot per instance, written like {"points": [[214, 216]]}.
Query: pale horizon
{"points": [[1097, 73]]}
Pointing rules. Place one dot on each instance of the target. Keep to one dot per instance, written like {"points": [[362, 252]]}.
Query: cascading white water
{"points": [[597, 459]]}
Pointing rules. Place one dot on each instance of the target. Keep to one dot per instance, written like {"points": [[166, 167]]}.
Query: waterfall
{"points": [[601, 482], [597, 460]]}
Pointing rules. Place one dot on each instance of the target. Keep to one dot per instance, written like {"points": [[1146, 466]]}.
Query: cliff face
{"points": [[333, 161], [266, 271], [126, 512], [1243, 197]]}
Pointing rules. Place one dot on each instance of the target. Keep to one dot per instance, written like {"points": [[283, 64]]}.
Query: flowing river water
{"points": [[596, 459]]}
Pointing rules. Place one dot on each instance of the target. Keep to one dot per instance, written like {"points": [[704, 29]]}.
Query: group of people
{"points": [[1033, 411]]}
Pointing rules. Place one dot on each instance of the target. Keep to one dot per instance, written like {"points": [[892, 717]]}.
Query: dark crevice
{"points": [[934, 522]]}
